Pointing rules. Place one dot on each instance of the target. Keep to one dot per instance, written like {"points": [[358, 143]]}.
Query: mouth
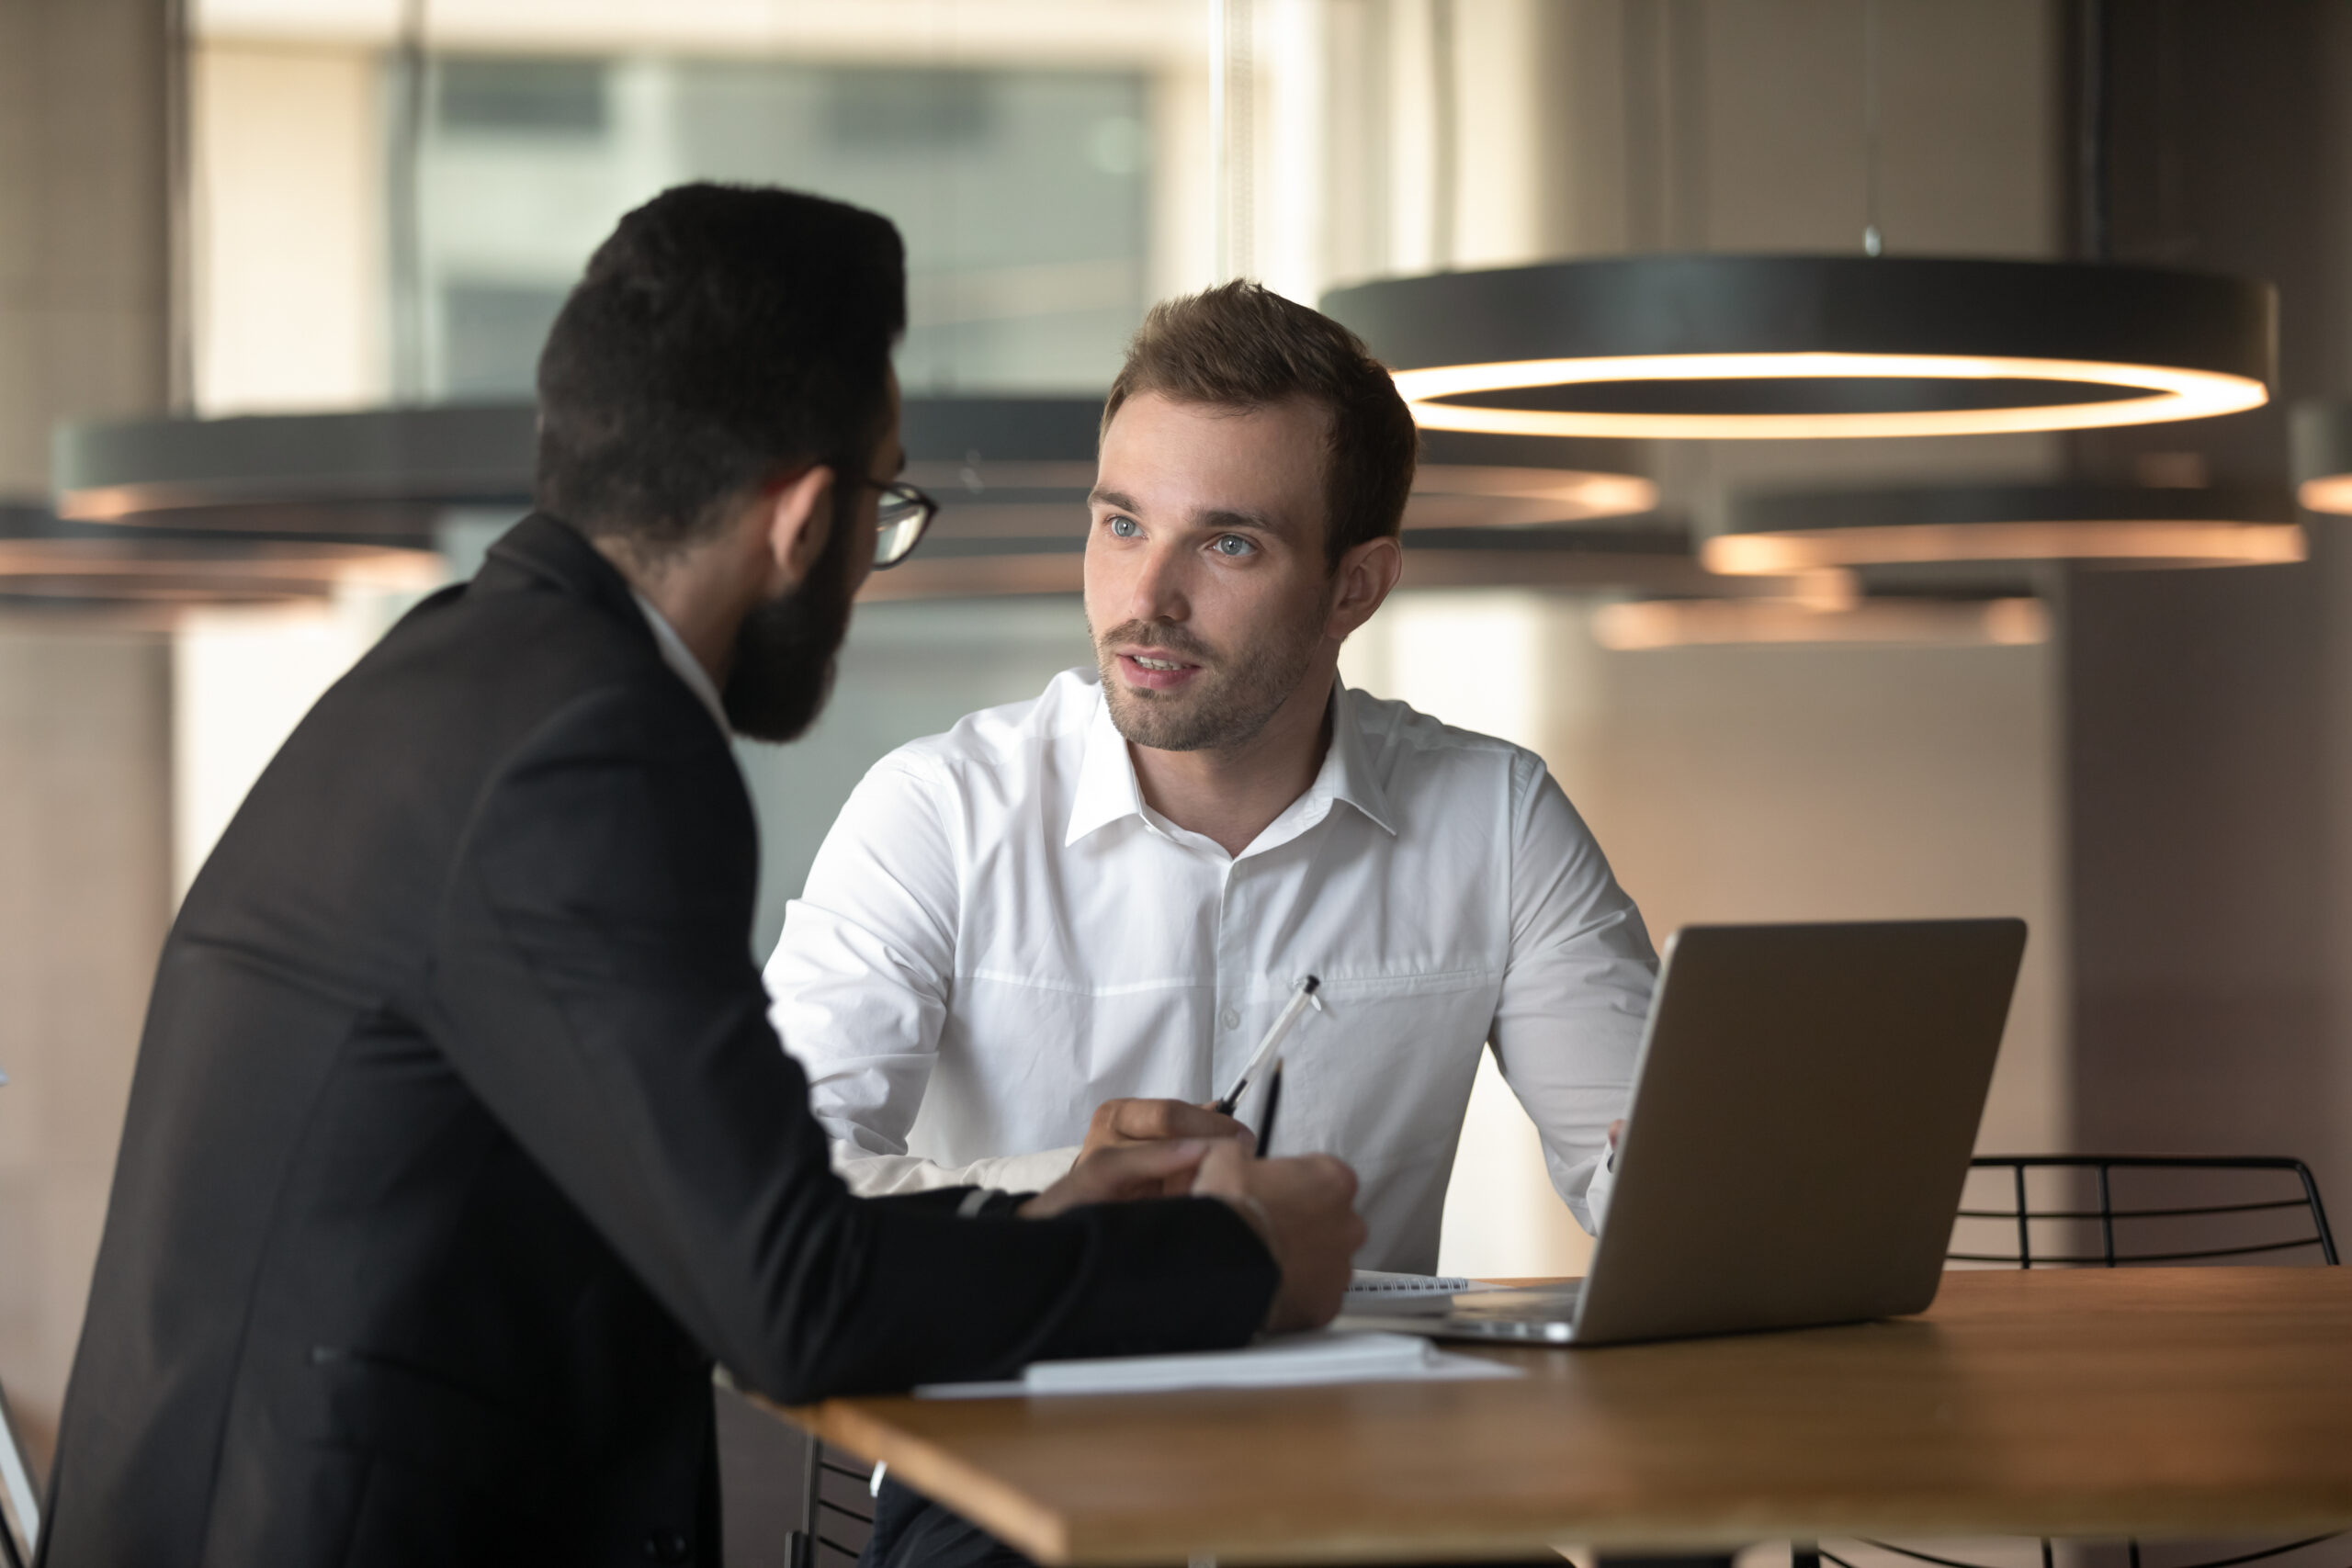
{"points": [[1154, 670]]}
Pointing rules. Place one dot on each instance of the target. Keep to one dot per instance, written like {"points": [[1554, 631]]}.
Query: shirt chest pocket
{"points": [[1381, 1076]]}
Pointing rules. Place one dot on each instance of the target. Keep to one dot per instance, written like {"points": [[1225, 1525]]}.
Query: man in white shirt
{"points": [[1066, 923]]}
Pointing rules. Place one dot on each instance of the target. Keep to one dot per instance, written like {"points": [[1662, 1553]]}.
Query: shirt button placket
{"points": [[1228, 1050]]}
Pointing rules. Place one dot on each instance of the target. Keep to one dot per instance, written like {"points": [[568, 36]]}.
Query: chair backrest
{"points": [[2115, 1211], [19, 1500], [840, 1507]]}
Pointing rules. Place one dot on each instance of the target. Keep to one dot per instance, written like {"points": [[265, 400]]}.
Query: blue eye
{"points": [[1232, 545], [1125, 528]]}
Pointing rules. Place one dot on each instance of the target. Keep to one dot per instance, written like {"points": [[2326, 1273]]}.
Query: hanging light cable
{"points": [[1872, 241]]}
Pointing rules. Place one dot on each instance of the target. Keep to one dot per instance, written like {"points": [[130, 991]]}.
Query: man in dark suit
{"points": [[461, 1147]]}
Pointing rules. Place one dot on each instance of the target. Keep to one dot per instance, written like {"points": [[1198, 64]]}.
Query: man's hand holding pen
{"points": [[1302, 1207], [1123, 1124]]}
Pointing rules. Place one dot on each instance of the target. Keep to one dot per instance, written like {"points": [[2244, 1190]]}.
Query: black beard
{"points": [[785, 649]]}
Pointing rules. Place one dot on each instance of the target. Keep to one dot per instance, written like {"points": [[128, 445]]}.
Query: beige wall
{"points": [[1754, 783], [83, 709], [1792, 784], [84, 720], [83, 227]]}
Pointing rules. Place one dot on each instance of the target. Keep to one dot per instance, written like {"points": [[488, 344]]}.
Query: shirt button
{"points": [[1230, 1017], [666, 1546]]}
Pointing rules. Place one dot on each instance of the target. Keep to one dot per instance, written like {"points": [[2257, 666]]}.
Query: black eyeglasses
{"points": [[900, 521]]}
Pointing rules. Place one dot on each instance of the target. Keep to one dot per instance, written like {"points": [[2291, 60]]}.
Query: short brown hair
{"points": [[1241, 345]]}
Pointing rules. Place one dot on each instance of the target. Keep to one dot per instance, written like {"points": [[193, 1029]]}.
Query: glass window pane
{"points": [[1024, 195]]}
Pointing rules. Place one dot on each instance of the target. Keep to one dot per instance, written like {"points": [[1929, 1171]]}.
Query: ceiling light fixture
{"points": [[49, 562], [2321, 435], [1476, 481], [1774, 347], [1012, 474], [2120, 526], [1749, 347], [1639, 625]]}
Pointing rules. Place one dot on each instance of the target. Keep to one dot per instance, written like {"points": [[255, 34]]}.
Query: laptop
{"points": [[1805, 1106]]}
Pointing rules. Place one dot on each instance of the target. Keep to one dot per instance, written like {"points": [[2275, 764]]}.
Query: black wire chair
{"points": [[2265, 1206], [2129, 1236], [840, 1515]]}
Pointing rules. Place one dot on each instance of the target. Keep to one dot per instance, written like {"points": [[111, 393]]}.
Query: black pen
{"points": [[1273, 1103]]}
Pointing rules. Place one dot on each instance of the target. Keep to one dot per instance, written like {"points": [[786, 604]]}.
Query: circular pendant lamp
{"points": [[2120, 526], [1642, 625], [1011, 475], [2321, 435], [1774, 347], [48, 562], [379, 473], [1470, 479]]}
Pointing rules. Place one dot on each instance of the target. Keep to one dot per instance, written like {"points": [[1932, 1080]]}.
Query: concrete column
{"points": [[85, 721]]}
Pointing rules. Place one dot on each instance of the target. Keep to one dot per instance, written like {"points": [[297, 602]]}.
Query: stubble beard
{"points": [[1228, 703]]}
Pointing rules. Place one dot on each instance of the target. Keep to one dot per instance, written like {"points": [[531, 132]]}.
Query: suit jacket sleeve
{"points": [[593, 983]]}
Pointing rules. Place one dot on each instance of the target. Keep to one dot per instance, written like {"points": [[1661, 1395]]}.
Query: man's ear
{"points": [[799, 520], [1366, 575]]}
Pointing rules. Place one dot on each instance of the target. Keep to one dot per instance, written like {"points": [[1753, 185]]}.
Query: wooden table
{"points": [[2163, 1403]]}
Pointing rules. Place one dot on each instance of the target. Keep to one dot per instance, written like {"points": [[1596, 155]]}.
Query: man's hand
{"points": [[1302, 1208], [1121, 1176], [1120, 1123]]}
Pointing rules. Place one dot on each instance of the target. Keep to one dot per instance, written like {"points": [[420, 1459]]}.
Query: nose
{"points": [[1154, 592]]}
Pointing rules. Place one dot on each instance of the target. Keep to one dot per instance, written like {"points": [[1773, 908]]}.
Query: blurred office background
{"points": [[314, 206]]}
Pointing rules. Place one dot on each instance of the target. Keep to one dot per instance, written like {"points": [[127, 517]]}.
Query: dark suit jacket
{"points": [[460, 1144]]}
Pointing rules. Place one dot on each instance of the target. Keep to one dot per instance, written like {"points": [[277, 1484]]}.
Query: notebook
{"points": [[1290, 1360]]}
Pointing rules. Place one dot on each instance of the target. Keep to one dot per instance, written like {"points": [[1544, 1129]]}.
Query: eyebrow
{"points": [[1218, 518]]}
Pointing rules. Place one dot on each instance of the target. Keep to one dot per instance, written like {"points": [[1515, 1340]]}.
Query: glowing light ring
{"points": [[2320, 438], [2329, 492], [2155, 344], [1640, 625], [2149, 542], [2174, 393]]}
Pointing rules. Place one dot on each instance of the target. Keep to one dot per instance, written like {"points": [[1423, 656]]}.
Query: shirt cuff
{"points": [[883, 1176], [1598, 1191]]}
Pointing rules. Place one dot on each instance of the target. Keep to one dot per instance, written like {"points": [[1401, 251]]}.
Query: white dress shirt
{"points": [[682, 660], [999, 934]]}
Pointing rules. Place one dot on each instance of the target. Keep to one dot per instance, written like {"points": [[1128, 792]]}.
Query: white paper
{"points": [[1327, 1356]]}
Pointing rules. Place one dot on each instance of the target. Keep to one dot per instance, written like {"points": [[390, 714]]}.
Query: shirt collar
{"points": [[682, 660], [1107, 791], [1347, 770]]}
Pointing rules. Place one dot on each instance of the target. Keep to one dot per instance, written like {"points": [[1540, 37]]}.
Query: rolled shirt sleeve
{"points": [[858, 986], [1575, 992]]}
